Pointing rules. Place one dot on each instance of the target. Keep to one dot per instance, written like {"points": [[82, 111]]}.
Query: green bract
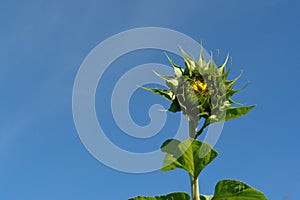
{"points": [[201, 90]]}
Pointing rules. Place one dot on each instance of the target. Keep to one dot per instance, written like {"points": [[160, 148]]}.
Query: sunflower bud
{"points": [[201, 90]]}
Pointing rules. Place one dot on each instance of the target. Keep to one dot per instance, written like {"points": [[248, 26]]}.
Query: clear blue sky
{"points": [[43, 43]]}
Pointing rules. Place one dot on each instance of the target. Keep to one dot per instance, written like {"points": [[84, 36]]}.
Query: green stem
{"points": [[194, 188], [192, 129], [200, 131], [194, 180]]}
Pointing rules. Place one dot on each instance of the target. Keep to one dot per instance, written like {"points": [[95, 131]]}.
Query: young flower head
{"points": [[201, 90]]}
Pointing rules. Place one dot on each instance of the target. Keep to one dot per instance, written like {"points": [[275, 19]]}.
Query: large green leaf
{"points": [[236, 190], [232, 113], [190, 155], [172, 196]]}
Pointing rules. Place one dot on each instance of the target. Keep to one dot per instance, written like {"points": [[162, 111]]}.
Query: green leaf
{"points": [[172, 196], [236, 190], [206, 197], [190, 155], [167, 94], [232, 113]]}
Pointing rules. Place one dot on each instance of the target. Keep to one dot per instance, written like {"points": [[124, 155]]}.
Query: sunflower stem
{"points": [[194, 188], [193, 180], [200, 131], [192, 129]]}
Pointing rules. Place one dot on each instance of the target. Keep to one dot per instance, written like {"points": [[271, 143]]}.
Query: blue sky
{"points": [[43, 43]]}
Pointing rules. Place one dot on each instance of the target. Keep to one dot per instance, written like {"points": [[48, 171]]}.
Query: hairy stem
{"points": [[194, 180], [200, 131], [192, 129], [194, 188]]}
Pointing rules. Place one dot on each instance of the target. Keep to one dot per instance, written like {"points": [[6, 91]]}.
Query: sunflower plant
{"points": [[203, 93]]}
